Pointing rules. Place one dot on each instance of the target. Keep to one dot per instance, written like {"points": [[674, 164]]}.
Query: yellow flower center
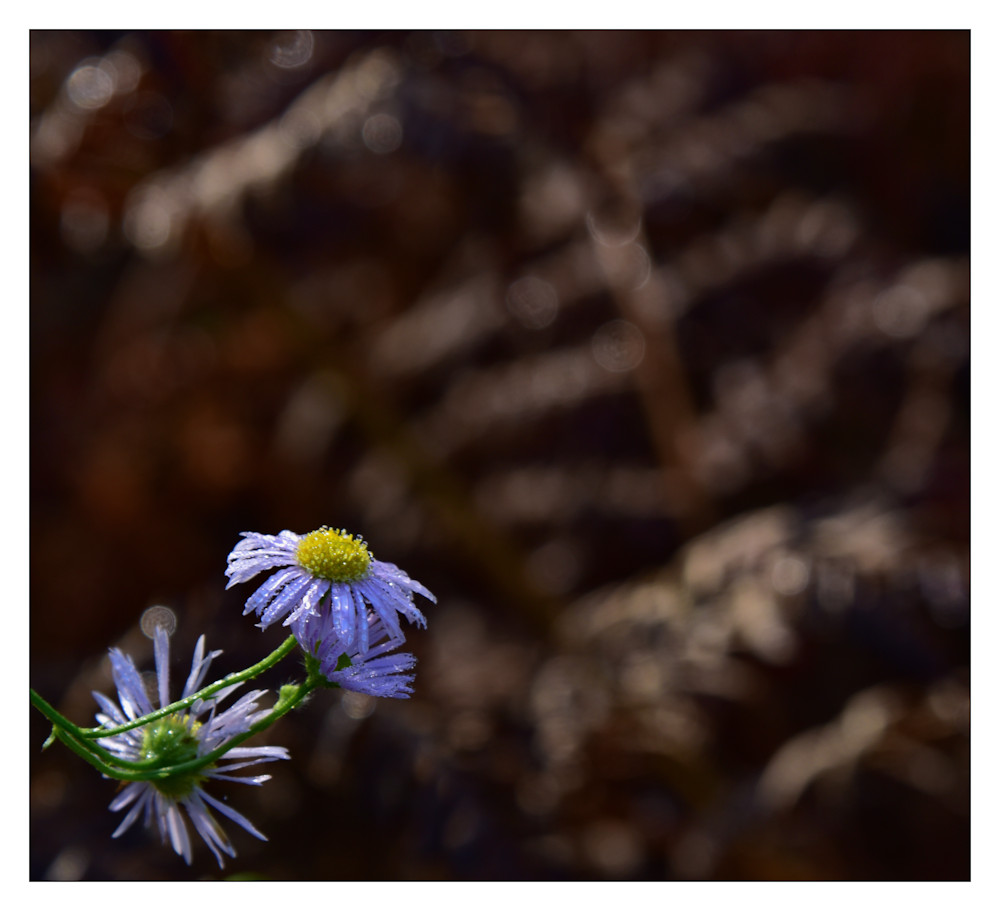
{"points": [[334, 554]]}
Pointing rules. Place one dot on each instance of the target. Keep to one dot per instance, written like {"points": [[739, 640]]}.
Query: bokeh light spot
{"points": [[156, 616], [901, 311], [149, 219], [618, 346], [90, 87], [382, 133], [357, 705], [291, 50], [790, 575], [613, 228], [532, 302]]}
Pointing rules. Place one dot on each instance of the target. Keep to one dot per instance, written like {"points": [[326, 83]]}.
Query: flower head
{"points": [[326, 574], [176, 738]]}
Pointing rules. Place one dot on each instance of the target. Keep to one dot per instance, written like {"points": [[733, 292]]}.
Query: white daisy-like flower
{"points": [[327, 573], [180, 737]]}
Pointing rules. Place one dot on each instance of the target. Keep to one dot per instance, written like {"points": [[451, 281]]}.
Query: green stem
{"points": [[81, 740], [84, 751], [239, 677], [73, 736], [60, 721], [77, 739], [289, 697]]}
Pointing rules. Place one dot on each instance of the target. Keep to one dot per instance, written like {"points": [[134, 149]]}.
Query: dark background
{"points": [[646, 352]]}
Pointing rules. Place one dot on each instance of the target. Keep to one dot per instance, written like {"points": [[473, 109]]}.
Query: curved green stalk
{"points": [[289, 697], [239, 677], [82, 741]]}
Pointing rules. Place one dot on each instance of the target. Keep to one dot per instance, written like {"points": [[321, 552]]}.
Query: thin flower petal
{"points": [[287, 600], [132, 814], [111, 710], [179, 838], [199, 667], [131, 689], [126, 796], [236, 817], [262, 597], [207, 826], [161, 654], [243, 779]]}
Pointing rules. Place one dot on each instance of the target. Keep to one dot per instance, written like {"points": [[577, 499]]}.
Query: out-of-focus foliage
{"points": [[646, 352]]}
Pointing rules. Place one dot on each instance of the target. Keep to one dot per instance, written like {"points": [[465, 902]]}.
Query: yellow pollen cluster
{"points": [[334, 554]]}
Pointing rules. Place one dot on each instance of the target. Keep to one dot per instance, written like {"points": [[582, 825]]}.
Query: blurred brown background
{"points": [[646, 352]]}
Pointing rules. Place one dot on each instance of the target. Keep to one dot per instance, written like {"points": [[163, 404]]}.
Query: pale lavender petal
{"points": [[259, 599], [132, 814], [246, 570], [388, 601], [202, 705], [131, 690], [129, 793], [285, 542], [199, 667], [285, 601], [389, 619], [382, 677], [233, 815], [179, 838], [211, 832], [254, 755], [311, 600], [342, 609], [392, 573], [242, 779], [257, 553], [161, 654], [111, 710], [122, 745]]}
